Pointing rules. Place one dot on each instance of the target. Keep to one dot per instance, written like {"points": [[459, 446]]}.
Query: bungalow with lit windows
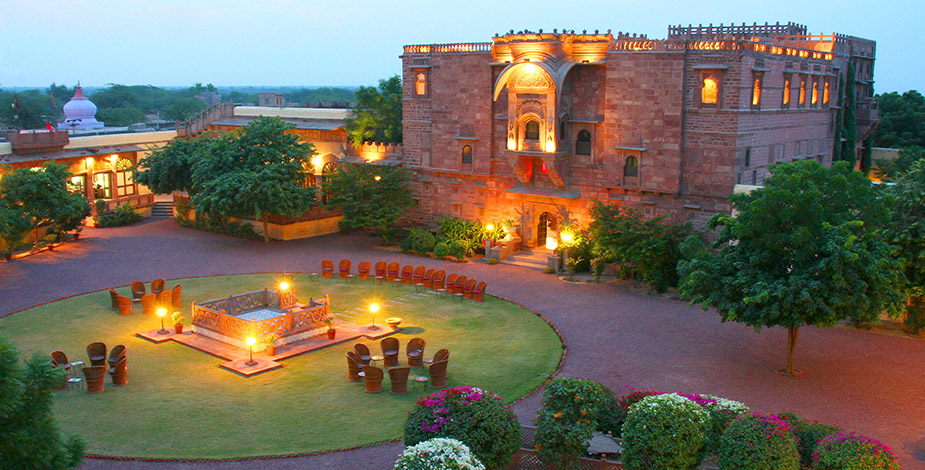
{"points": [[536, 126]]}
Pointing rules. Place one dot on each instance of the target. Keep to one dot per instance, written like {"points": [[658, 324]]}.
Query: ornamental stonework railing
{"points": [[285, 316]]}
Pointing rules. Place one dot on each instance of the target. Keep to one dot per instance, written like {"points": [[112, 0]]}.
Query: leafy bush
{"points": [[457, 248], [622, 235], [664, 431], [807, 434], [441, 249], [572, 410], [217, 225], [579, 249], [623, 406], [722, 412], [758, 442], [438, 454], [469, 235], [122, 215], [419, 240], [474, 416], [851, 451]]}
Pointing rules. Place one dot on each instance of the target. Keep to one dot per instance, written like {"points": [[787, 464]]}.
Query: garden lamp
{"points": [[161, 312], [284, 286], [373, 308], [250, 345]]}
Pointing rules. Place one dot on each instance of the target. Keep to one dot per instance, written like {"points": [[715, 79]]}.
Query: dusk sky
{"points": [[293, 42]]}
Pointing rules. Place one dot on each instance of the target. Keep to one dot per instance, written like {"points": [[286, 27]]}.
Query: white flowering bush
{"points": [[438, 454], [722, 411], [665, 431]]}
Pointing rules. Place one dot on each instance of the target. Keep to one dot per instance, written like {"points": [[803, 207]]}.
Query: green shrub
{"points": [[623, 407], [422, 241], [492, 260], [122, 215], [406, 244], [456, 248], [438, 454], [758, 442], [218, 225], [851, 451], [664, 432], [441, 249], [474, 416], [807, 434], [572, 410], [469, 235], [722, 412]]}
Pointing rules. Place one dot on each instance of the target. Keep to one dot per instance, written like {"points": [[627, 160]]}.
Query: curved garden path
{"points": [[861, 381]]}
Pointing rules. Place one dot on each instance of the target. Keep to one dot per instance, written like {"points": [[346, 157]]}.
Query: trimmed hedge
{"points": [[758, 442], [664, 432], [852, 451]]}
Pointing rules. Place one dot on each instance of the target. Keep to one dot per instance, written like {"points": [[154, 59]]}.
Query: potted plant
{"points": [[270, 341], [77, 231], [331, 331], [178, 321]]}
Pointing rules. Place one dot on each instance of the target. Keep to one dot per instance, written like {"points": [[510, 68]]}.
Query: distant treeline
{"points": [[123, 105]]}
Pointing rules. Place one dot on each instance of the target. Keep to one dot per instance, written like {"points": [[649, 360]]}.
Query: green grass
{"points": [[180, 404]]}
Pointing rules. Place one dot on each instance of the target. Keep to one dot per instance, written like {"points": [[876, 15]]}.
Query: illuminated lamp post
{"points": [[567, 238], [284, 286], [488, 229], [373, 308], [161, 312], [250, 345]]}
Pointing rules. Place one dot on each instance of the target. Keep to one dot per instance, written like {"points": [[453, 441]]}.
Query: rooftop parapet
{"points": [[459, 48], [733, 31], [637, 44]]}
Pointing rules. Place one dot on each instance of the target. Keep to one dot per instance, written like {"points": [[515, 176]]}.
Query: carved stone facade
{"points": [[536, 126]]}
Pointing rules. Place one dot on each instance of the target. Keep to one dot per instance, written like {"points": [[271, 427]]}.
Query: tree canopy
{"points": [[41, 196], [29, 435], [378, 113], [803, 250], [902, 120], [370, 196], [890, 170], [907, 232]]}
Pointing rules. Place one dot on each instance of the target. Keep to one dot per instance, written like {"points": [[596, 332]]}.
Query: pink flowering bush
{"points": [[475, 417], [852, 451], [758, 442]]}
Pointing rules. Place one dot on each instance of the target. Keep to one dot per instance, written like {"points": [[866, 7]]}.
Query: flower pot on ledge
{"points": [[331, 333], [178, 329], [271, 350]]}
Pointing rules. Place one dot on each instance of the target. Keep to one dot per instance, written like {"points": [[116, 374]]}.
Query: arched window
{"points": [[467, 154], [532, 130], [631, 167], [420, 84], [583, 143], [125, 181], [709, 91]]}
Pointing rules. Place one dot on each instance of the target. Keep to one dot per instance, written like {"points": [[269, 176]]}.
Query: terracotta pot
{"points": [[178, 328], [271, 350], [331, 333]]}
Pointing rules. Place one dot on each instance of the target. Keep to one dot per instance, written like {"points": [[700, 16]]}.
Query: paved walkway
{"points": [[861, 381]]}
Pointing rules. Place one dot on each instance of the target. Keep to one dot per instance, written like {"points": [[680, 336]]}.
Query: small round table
{"points": [[373, 359], [420, 379]]}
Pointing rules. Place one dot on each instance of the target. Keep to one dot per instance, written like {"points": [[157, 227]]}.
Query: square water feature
{"points": [[260, 314]]}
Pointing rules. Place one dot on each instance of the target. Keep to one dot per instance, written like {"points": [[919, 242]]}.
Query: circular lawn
{"points": [[179, 404]]}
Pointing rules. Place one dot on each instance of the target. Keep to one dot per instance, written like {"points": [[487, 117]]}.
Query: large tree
{"points": [[29, 436], [907, 232], [371, 196], [378, 113], [13, 226], [803, 250], [902, 120], [170, 168], [42, 196], [258, 172]]}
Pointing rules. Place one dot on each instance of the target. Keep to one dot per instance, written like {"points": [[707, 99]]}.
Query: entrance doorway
{"points": [[547, 230]]}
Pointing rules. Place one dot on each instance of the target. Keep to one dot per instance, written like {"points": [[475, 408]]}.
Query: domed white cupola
{"points": [[79, 113]]}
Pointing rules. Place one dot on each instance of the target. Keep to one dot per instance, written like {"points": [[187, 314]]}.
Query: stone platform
{"points": [[237, 357]]}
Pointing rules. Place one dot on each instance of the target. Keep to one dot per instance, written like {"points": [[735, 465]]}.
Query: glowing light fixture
{"points": [[317, 161], [567, 238], [529, 68], [511, 145], [377, 177], [250, 345], [113, 158], [161, 312], [550, 146], [89, 162], [551, 243], [373, 308], [489, 227], [284, 286]]}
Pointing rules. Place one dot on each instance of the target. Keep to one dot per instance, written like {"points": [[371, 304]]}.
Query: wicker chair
{"points": [[407, 274], [59, 359], [354, 367], [138, 290], [125, 305], [438, 374], [117, 372], [115, 354], [450, 282], [438, 280], [467, 289], [149, 304], [390, 348], [343, 268], [373, 376], [417, 277], [363, 354], [327, 268], [415, 351], [112, 297], [441, 355], [399, 378], [363, 270], [478, 292], [94, 376], [157, 286], [381, 271], [458, 285], [97, 353], [392, 271], [175, 295], [428, 279]]}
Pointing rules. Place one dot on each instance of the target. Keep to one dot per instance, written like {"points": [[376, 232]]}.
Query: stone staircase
{"points": [[526, 258], [162, 210]]}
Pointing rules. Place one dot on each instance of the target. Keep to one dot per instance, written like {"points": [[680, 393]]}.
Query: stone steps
{"points": [[162, 210], [528, 259]]}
